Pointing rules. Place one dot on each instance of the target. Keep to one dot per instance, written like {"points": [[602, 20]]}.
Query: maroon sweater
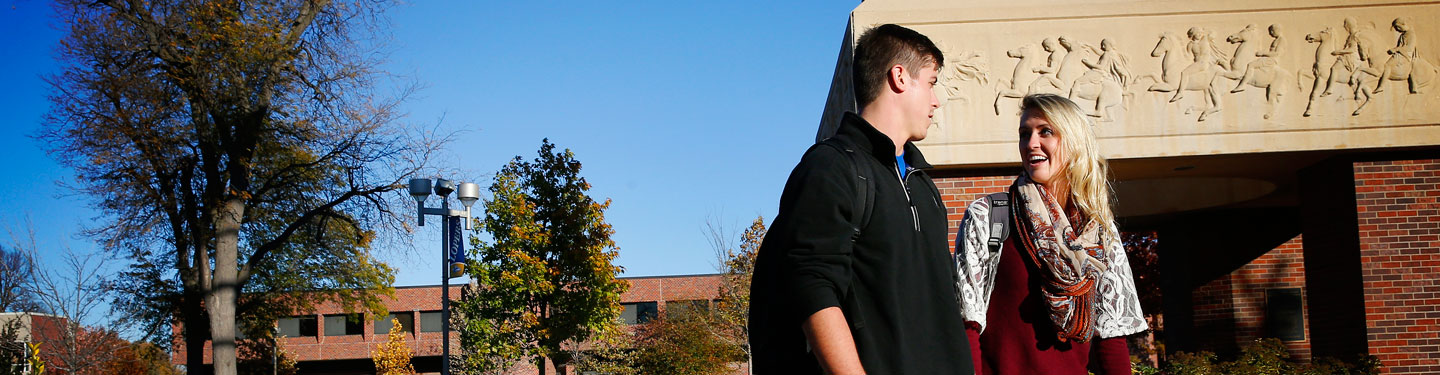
{"points": [[1019, 337]]}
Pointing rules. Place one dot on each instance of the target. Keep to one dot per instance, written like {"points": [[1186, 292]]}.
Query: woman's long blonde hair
{"points": [[1085, 168]]}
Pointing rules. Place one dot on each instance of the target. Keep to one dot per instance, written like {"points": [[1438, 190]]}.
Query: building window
{"points": [[639, 312], [344, 324], [687, 306], [407, 322], [298, 326], [1285, 314], [431, 321]]}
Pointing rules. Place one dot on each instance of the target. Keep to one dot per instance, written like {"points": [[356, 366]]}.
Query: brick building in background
{"points": [[329, 341]]}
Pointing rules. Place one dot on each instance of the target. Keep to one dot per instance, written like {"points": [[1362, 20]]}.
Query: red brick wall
{"points": [[321, 347], [672, 288], [1214, 316], [427, 298], [1234, 305], [1396, 207], [958, 192]]}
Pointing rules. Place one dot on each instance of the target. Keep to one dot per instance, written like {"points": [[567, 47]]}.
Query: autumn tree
{"points": [[545, 276], [262, 352], [393, 356], [610, 353], [737, 267], [684, 342], [235, 147]]}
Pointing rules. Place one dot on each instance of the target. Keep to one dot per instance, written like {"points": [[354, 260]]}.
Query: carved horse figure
{"points": [[1097, 86], [1061, 77], [1404, 64], [959, 67], [1105, 82], [1244, 52], [1326, 63], [1262, 68], [1019, 84], [1199, 75], [1170, 50]]}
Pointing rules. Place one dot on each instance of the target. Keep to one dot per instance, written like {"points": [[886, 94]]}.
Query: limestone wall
{"points": [[1124, 59]]}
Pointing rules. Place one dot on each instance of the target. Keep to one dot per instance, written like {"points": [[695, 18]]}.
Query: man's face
{"points": [[920, 101]]}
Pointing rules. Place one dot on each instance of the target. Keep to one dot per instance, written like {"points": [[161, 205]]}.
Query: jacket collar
{"points": [[877, 144]]}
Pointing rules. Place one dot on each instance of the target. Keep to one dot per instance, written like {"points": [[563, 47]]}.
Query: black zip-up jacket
{"points": [[894, 281]]}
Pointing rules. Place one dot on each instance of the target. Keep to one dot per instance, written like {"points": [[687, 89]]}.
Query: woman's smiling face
{"points": [[1040, 150]]}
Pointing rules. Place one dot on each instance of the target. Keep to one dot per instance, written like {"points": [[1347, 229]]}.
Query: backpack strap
{"points": [[864, 201], [999, 220], [860, 210]]}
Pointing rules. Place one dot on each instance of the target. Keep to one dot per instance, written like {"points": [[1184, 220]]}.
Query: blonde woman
{"points": [[1055, 295]]}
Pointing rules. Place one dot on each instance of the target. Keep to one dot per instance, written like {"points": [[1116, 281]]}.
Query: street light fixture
{"points": [[452, 245]]}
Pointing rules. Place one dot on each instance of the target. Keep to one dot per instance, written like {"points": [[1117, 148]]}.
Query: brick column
{"points": [[1396, 208]]}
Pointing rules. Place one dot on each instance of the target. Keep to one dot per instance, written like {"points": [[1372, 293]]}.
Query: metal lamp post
{"points": [[452, 246]]}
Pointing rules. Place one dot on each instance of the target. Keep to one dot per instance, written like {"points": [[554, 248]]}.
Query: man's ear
{"points": [[897, 78]]}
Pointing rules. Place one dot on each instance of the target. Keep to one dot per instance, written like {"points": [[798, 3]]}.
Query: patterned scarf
{"points": [[1070, 262]]}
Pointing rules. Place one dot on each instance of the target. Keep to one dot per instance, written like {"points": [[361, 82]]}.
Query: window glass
{"points": [[430, 321], [298, 326], [407, 322], [1285, 314], [343, 324], [639, 312], [687, 306]]}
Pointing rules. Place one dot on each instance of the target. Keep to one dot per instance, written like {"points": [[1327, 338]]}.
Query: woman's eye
{"points": [[1046, 132]]}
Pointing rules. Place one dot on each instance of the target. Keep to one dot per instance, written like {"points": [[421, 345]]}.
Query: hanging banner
{"points": [[455, 250]]}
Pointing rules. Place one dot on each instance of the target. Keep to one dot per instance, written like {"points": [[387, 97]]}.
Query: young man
{"points": [[854, 276]]}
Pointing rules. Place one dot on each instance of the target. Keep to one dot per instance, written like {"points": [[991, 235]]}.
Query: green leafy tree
{"points": [[546, 277], [239, 147]]}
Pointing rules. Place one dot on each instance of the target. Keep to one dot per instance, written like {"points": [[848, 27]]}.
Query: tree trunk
{"points": [[194, 332], [540, 364], [224, 288], [559, 367]]}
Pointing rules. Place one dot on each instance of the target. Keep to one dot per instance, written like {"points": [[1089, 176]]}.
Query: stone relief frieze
{"points": [[1024, 75], [959, 68], [1195, 72], [1331, 65], [1204, 63], [1358, 66], [1068, 71], [1105, 83], [1404, 64], [1261, 69], [1218, 79]]}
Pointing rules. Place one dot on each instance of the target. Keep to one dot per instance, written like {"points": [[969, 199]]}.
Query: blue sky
{"points": [[681, 112]]}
